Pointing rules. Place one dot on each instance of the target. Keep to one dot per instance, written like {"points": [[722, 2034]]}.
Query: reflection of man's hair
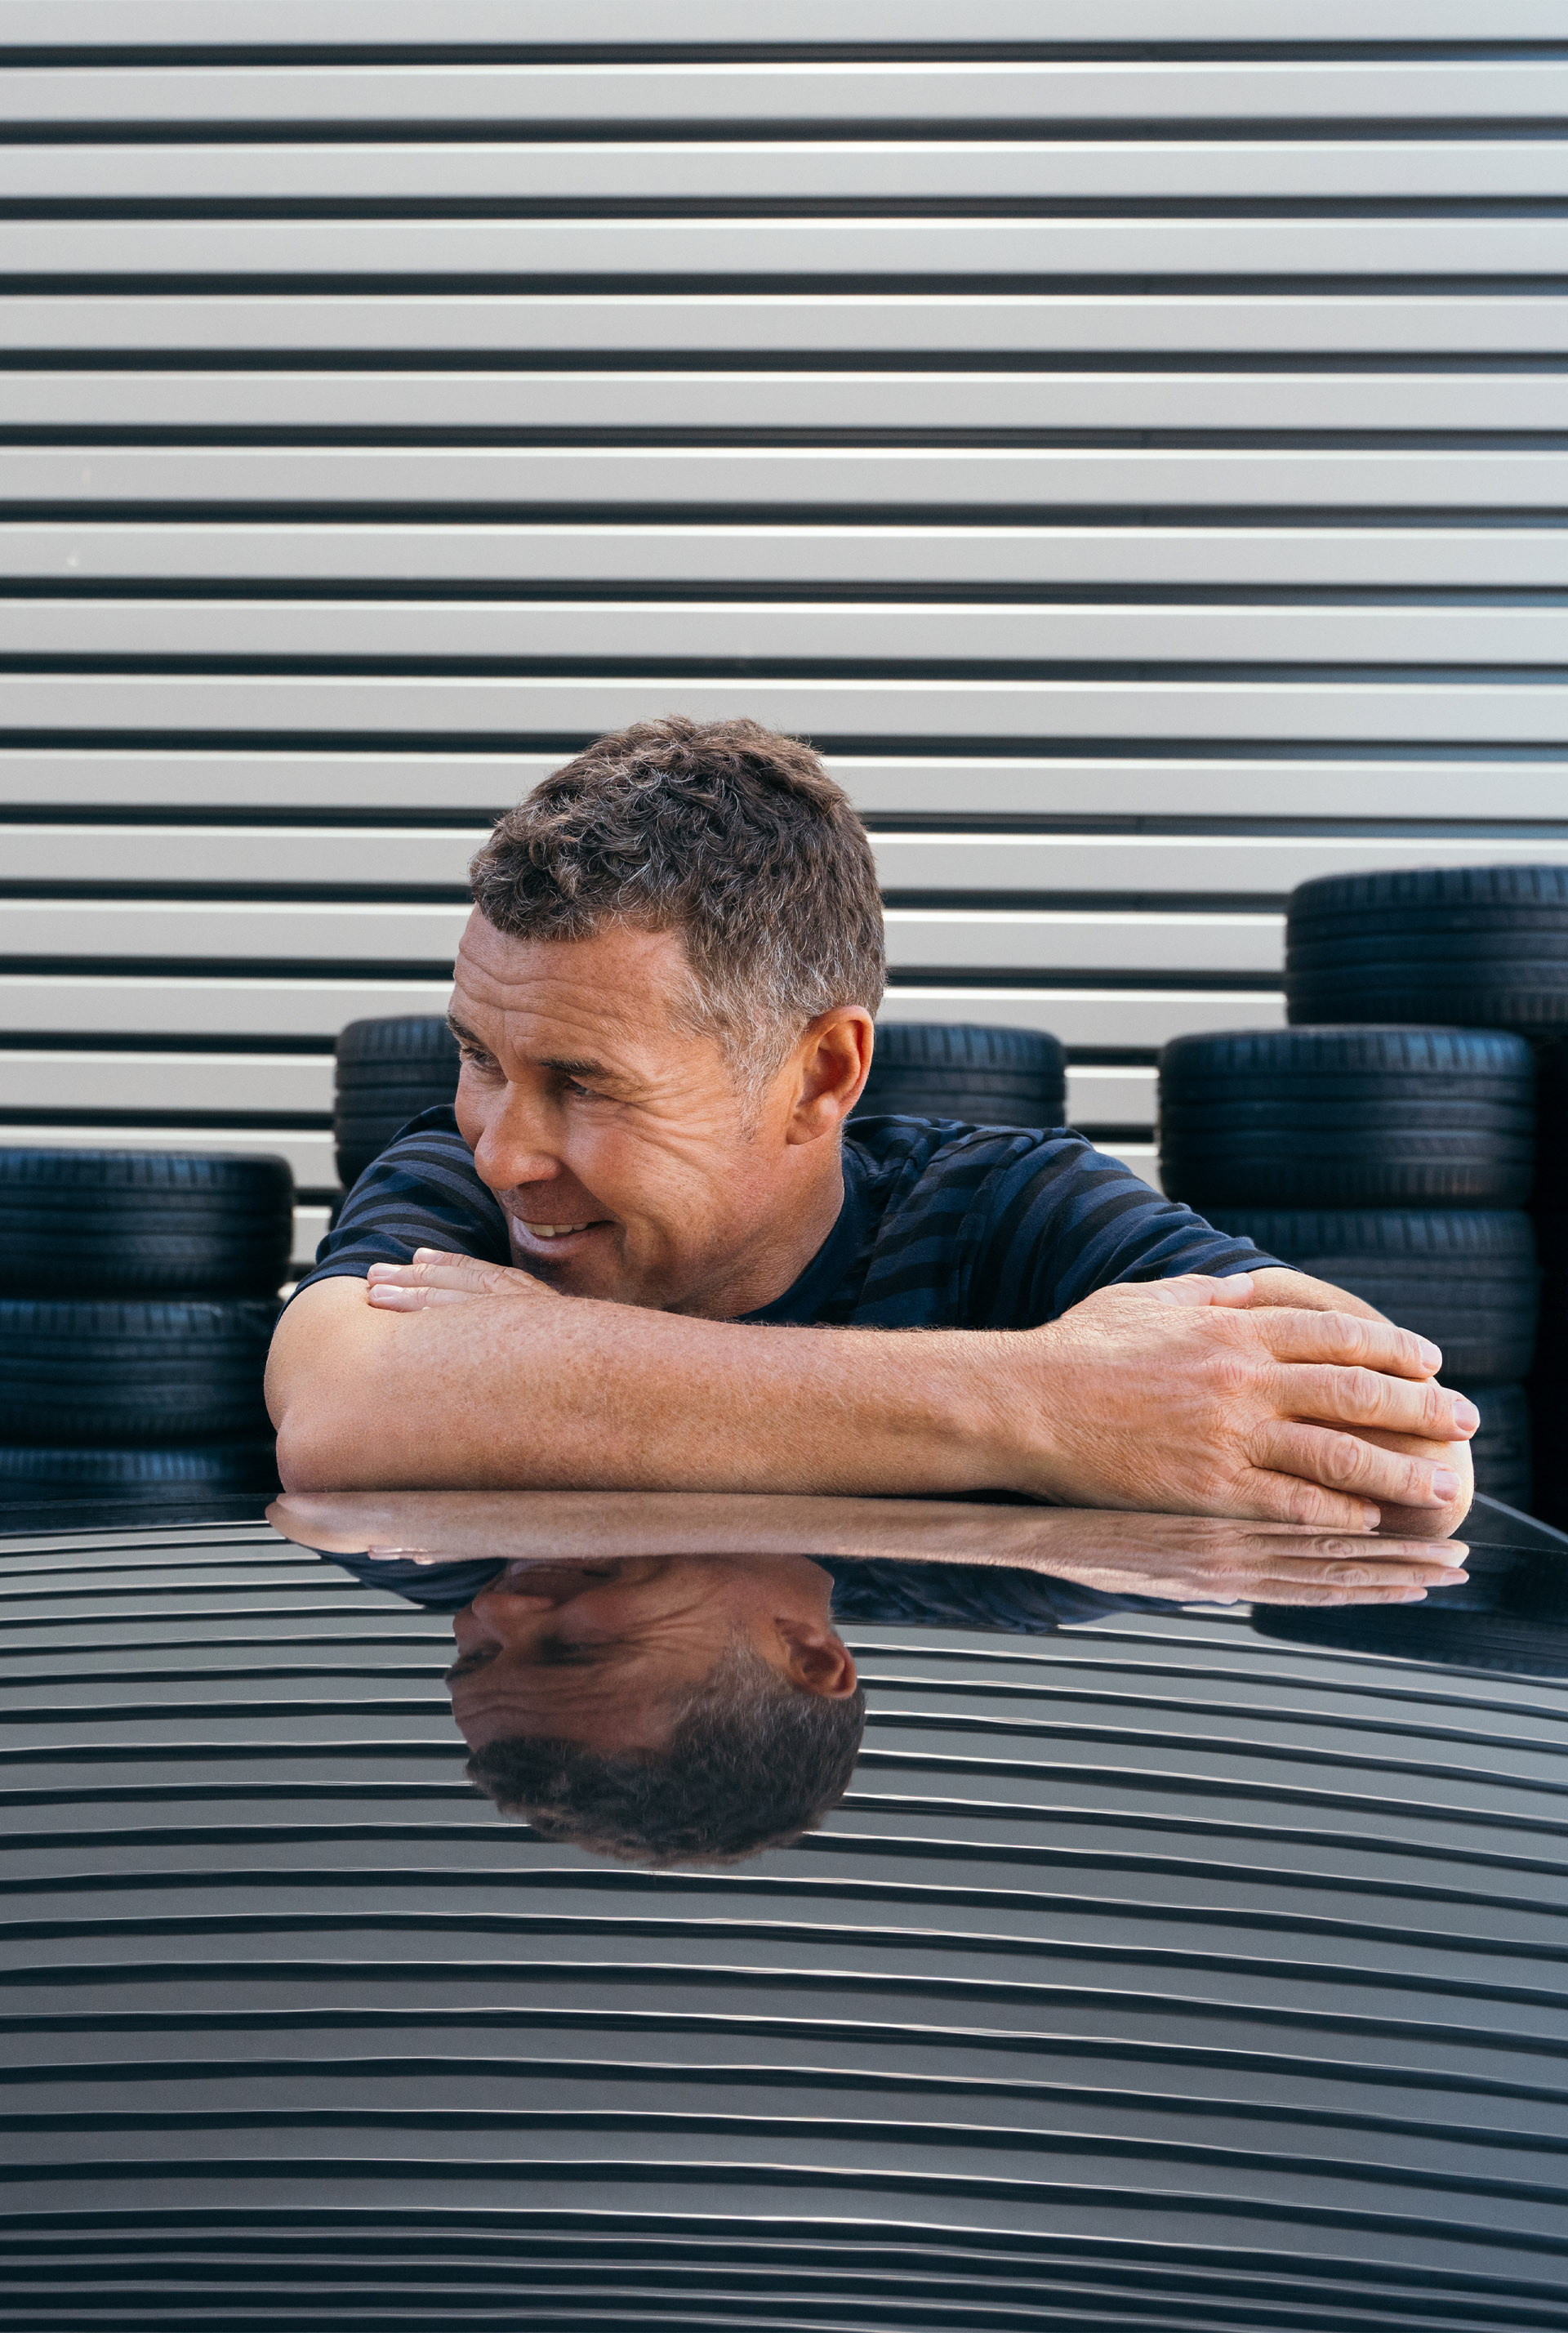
{"points": [[752, 1762]]}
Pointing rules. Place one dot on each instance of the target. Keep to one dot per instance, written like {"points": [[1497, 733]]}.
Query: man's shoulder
{"points": [[422, 1191], [897, 1154]]}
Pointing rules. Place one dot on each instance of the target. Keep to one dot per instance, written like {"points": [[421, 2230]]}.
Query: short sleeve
{"points": [[1064, 1220], [422, 1191]]}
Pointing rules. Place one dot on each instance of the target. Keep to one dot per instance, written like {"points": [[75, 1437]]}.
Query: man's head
{"points": [[661, 1709], [663, 1000]]}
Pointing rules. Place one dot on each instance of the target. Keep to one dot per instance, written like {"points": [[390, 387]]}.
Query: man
{"points": [[644, 1253]]}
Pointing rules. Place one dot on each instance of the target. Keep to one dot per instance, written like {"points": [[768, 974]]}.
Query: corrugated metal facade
{"points": [[1136, 456], [1158, 1976]]}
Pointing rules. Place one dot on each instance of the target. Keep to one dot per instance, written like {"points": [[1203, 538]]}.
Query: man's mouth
{"points": [[547, 1238]]}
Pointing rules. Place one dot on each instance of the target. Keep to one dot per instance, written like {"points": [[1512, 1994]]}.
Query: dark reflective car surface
{"points": [[1168, 1962]]}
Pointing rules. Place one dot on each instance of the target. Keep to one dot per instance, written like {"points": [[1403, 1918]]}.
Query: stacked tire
{"points": [[388, 1071], [139, 1291], [1487, 948], [1394, 1162], [968, 1070]]}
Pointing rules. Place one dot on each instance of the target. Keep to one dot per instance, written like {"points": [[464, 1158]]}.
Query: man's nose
{"points": [[501, 1615], [514, 1144]]}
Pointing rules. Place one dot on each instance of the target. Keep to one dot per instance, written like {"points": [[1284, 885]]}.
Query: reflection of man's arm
{"points": [[1181, 1558], [1171, 1394]]}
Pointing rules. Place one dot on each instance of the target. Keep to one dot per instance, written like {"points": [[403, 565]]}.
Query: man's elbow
{"points": [[309, 1451]]}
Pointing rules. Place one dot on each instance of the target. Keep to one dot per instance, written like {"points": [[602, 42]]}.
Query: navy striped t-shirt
{"points": [[942, 1226]]}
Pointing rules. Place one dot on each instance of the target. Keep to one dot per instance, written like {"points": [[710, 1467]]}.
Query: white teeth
{"points": [[554, 1230]]}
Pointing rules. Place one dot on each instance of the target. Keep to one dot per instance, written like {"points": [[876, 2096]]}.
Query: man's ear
{"points": [[817, 1661], [833, 1062]]}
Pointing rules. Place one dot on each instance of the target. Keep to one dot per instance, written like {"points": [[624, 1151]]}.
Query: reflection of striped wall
{"points": [[1140, 465], [1155, 1976]]}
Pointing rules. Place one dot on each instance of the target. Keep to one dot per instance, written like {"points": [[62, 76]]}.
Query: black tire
{"points": [[135, 1222], [1501, 1445], [1466, 1279], [980, 1076], [388, 1071], [1483, 947], [1347, 1118], [76, 1372], [29, 1474]]}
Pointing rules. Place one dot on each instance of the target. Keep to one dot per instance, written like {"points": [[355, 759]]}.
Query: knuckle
{"points": [[1350, 1333], [1342, 1458]]}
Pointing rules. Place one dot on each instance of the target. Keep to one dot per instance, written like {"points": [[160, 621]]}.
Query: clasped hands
{"points": [[1192, 1395]]}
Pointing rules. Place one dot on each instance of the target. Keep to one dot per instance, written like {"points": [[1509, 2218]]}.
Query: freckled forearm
{"points": [[577, 1394]]}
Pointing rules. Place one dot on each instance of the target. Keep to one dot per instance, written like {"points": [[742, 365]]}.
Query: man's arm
{"points": [[1169, 1396]]}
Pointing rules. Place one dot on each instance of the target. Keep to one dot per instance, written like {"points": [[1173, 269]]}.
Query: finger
{"points": [[1195, 1287], [428, 1268], [1422, 1408], [1343, 1462], [1347, 1338], [1305, 1593], [1264, 1495], [388, 1296], [1369, 1571]]}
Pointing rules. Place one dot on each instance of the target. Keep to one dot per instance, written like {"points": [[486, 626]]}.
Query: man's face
{"points": [[616, 1140], [606, 1653]]}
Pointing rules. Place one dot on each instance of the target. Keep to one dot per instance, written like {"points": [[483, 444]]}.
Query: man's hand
{"points": [[1196, 1560], [1179, 1395]]}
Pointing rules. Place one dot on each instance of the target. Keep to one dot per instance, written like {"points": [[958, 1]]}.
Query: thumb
{"points": [[1192, 1288]]}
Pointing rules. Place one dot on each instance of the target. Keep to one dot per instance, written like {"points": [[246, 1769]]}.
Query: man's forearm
{"points": [[570, 1393]]}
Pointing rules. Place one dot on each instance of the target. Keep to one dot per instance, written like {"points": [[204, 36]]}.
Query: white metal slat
{"points": [[826, 634], [1249, 711], [766, 247], [356, 932], [1475, 558], [226, 1006], [1062, 786], [309, 22], [345, 858], [1213, 401], [865, 323], [810, 170], [1003, 479], [1467, 89]]}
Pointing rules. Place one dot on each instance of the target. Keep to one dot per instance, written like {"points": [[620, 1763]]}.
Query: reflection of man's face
{"points": [[606, 1653]]}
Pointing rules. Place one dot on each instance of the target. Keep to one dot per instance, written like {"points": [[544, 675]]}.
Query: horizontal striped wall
{"points": [[1138, 457]]}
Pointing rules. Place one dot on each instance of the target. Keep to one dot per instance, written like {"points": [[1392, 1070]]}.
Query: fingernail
{"points": [[1445, 1483], [1413, 1596], [1432, 1357], [1467, 1416]]}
